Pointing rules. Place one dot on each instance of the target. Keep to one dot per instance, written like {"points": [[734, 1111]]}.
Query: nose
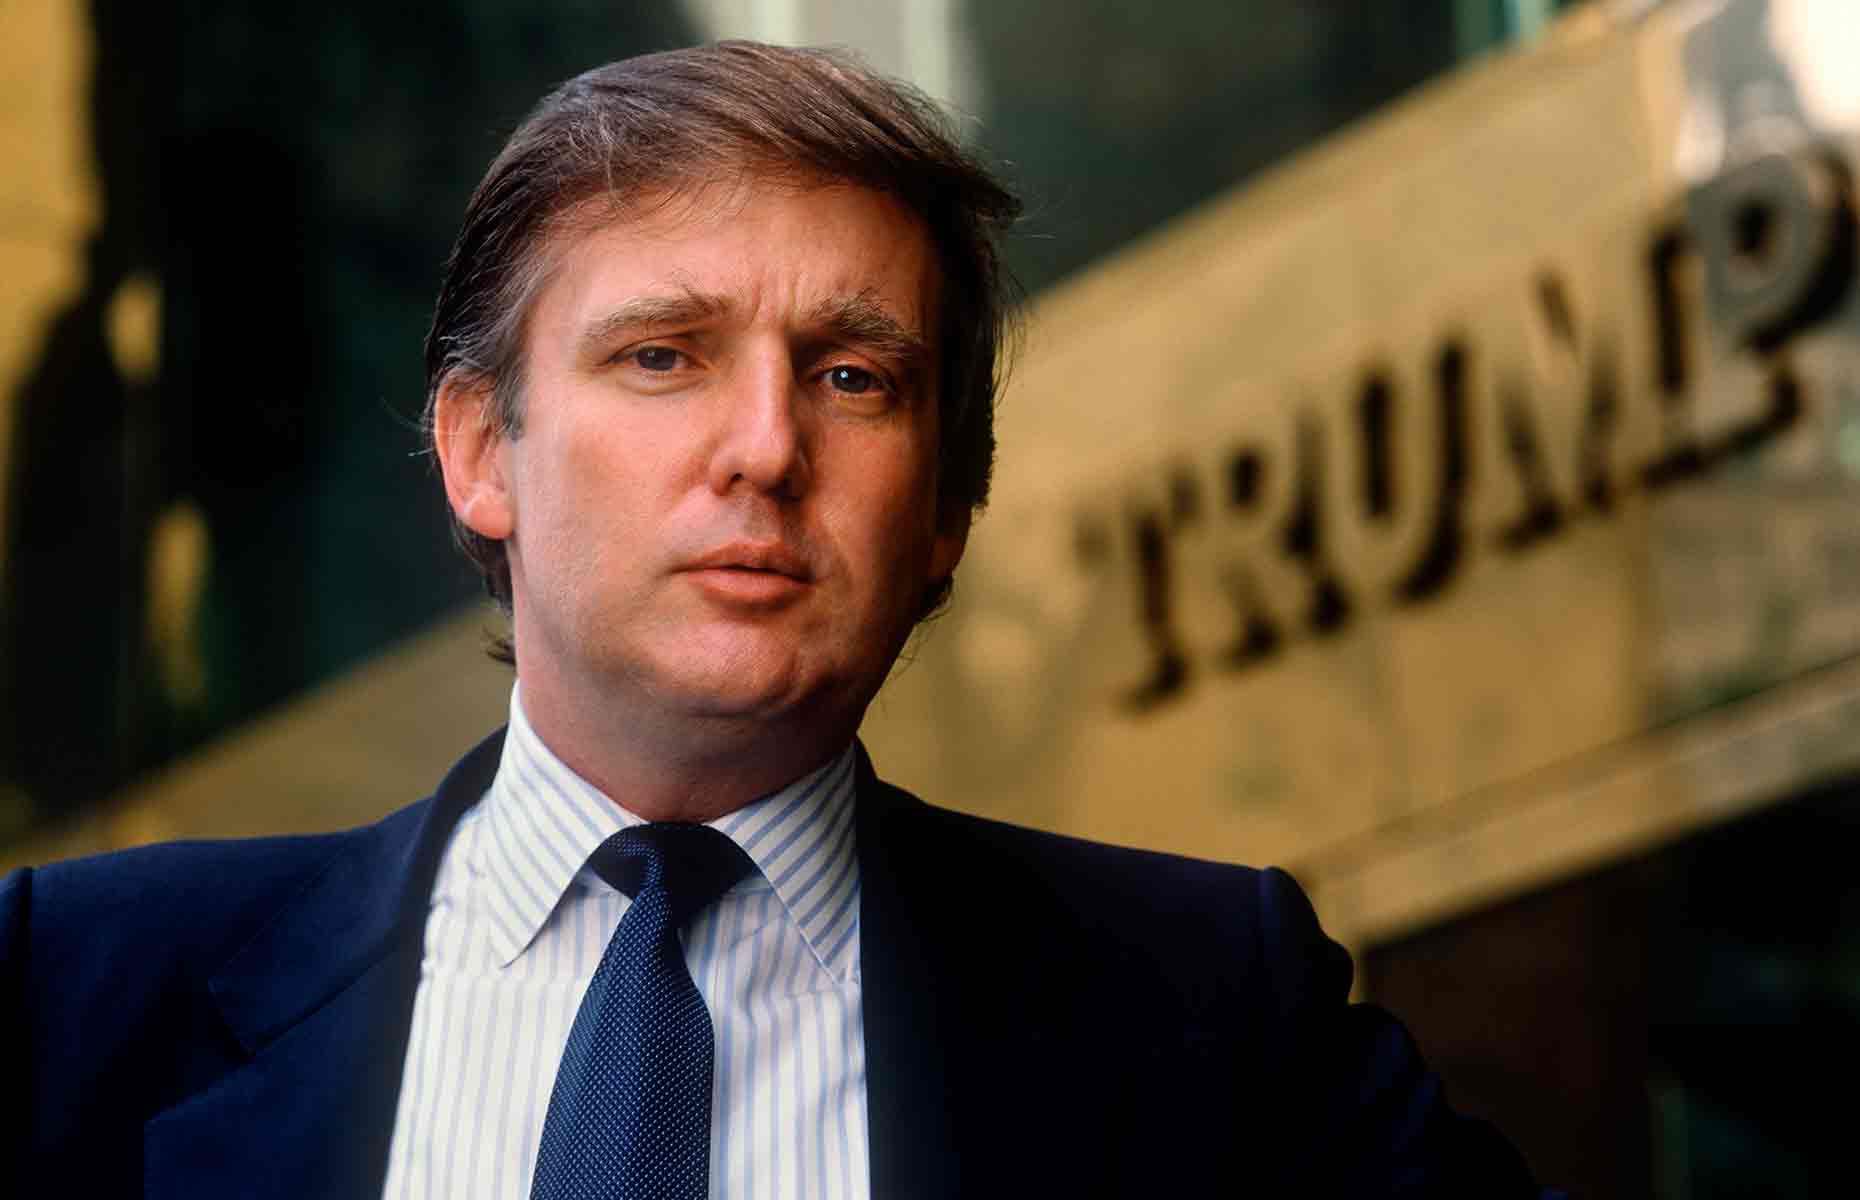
{"points": [[760, 441]]}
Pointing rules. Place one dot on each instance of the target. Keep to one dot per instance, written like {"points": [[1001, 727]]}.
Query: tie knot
{"points": [[693, 864]]}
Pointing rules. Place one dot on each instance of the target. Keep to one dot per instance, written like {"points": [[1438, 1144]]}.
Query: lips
{"points": [[750, 578], [767, 557]]}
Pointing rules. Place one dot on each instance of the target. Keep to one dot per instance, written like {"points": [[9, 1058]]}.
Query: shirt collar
{"points": [[541, 821]]}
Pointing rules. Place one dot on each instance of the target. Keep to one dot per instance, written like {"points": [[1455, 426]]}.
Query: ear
{"points": [[471, 458], [952, 537]]}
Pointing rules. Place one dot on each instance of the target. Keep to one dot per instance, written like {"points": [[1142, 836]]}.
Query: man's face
{"points": [[723, 501]]}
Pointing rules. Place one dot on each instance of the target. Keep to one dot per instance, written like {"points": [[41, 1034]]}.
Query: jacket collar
{"points": [[908, 1101], [321, 1000], [366, 903]]}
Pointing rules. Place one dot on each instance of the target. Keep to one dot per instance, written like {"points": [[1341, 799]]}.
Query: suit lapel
{"points": [[908, 1100], [983, 997], [319, 1005]]}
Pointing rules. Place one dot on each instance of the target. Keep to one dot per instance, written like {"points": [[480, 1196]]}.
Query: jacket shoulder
{"points": [[1207, 916], [1096, 873], [88, 923]]}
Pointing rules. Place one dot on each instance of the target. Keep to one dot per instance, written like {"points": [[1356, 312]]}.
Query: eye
{"points": [[656, 358], [853, 381]]}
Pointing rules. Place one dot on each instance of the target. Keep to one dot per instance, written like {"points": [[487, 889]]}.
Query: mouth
{"points": [[750, 575], [757, 558]]}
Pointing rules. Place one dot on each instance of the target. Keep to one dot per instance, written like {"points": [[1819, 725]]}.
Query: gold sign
{"points": [[1425, 515]]}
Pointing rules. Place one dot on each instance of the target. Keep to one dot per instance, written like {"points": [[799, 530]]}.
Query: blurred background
{"points": [[1433, 467]]}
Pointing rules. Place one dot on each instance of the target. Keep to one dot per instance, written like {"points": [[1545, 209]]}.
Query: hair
{"points": [[684, 118]]}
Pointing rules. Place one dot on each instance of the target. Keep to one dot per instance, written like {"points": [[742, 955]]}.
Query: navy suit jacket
{"points": [[1042, 1016]]}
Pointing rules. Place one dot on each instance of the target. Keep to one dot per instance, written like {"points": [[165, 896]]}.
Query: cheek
{"points": [[896, 514], [571, 504]]}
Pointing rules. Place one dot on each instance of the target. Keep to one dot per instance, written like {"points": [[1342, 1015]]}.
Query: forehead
{"points": [[763, 241]]}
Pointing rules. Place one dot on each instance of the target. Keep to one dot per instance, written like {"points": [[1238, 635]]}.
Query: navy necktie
{"points": [[630, 1113]]}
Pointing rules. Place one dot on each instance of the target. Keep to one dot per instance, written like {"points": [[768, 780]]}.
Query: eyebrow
{"points": [[645, 312], [862, 321], [857, 320]]}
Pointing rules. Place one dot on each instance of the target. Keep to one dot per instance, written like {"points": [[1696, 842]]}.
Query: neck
{"points": [[702, 769]]}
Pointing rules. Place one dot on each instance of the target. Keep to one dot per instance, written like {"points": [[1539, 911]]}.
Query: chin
{"points": [[733, 686]]}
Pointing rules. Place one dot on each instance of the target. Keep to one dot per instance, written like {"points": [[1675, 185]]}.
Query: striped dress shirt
{"points": [[517, 925]]}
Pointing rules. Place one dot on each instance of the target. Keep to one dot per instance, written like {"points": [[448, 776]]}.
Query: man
{"points": [[711, 380]]}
